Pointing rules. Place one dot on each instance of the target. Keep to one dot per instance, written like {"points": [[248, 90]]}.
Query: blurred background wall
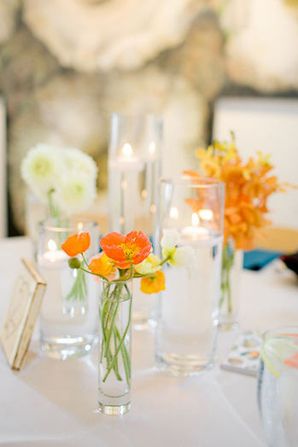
{"points": [[66, 64]]}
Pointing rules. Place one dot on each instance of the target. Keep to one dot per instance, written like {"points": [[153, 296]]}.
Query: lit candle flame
{"points": [[195, 220], [152, 148], [127, 151], [80, 226], [174, 214], [206, 214], [52, 246]]}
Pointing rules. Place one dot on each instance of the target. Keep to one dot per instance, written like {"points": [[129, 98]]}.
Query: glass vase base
{"points": [[182, 365], [113, 410], [228, 325], [143, 323], [62, 348]]}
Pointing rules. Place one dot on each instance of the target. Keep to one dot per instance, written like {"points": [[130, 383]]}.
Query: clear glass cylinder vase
{"points": [[69, 317], [232, 262], [114, 382], [278, 387], [192, 214], [134, 172]]}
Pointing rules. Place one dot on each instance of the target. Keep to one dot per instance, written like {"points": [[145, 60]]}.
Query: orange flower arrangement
{"points": [[123, 257], [248, 186], [120, 254]]}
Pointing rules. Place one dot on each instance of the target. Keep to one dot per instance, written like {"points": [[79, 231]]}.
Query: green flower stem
{"points": [[78, 291], [113, 343], [228, 257], [54, 211]]}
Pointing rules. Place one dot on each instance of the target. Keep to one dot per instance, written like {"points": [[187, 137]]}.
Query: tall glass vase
{"points": [[69, 317], [278, 387], [232, 261], [115, 347], [192, 213], [134, 173]]}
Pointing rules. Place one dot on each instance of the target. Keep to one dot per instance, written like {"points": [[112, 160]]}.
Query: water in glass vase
{"points": [[187, 328], [278, 387], [115, 348], [68, 323], [69, 316], [132, 193]]}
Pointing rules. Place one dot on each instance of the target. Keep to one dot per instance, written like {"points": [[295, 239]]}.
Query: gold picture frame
{"points": [[24, 307]]}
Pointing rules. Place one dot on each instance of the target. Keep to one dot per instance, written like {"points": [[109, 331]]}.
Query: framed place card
{"points": [[24, 307]]}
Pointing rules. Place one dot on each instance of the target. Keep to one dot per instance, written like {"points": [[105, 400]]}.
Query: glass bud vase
{"points": [[231, 267], [134, 165], [192, 218], [68, 317], [115, 347]]}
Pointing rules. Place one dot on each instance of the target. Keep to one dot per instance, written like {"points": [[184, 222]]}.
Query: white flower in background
{"points": [[175, 255], [75, 193], [76, 160], [65, 177], [150, 265], [41, 168]]}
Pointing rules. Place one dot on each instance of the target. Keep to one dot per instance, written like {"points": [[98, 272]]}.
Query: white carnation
{"points": [[75, 193], [40, 169], [78, 161]]}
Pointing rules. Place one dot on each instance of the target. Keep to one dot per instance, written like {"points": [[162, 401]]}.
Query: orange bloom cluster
{"points": [[248, 187], [120, 254]]}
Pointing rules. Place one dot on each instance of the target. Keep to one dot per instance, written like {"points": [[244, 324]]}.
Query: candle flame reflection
{"points": [[52, 246], [206, 214], [127, 151], [195, 220], [174, 214], [152, 148]]}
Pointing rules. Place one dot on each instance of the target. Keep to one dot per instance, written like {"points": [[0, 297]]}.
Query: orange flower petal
{"points": [[103, 266], [292, 361], [76, 244], [126, 250], [153, 284]]}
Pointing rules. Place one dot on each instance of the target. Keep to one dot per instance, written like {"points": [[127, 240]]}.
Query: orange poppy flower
{"points": [[126, 250], [76, 244], [103, 266], [153, 284], [292, 361]]}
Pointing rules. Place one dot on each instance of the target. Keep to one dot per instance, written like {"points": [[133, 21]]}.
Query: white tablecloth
{"points": [[53, 403]]}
